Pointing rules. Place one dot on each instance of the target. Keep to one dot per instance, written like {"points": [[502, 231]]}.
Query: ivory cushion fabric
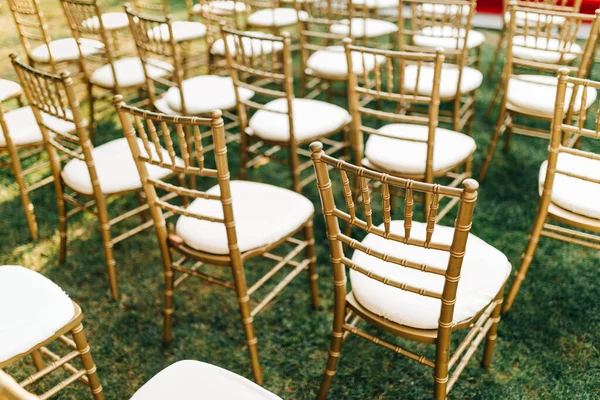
{"points": [[263, 215], [32, 309], [448, 37], [362, 27], [182, 31], [111, 21], [250, 46], [205, 93], [24, 129], [536, 94], [471, 80], [130, 72], [222, 7], [408, 157], [312, 118], [484, 271], [65, 50], [9, 89], [331, 63], [115, 168], [195, 380], [545, 50], [276, 17], [573, 194]]}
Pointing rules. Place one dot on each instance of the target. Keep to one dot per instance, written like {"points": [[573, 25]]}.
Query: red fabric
{"points": [[495, 6]]}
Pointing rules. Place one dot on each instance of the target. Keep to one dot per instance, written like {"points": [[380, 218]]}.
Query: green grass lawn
{"points": [[548, 345]]}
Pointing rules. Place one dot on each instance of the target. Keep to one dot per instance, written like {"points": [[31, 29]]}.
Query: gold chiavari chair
{"points": [[85, 176], [172, 94], [569, 181], [422, 282], [226, 225], [31, 320], [41, 50], [522, 17], [280, 121], [533, 51], [400, 143], [459, 81], [114, 69], [322, 59]]}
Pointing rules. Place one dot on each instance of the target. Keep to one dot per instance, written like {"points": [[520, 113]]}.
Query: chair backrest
{"points": [[32, 27], [377, 95], [361, 217], [547, 5], [545, 41], [182, 136], [159, 7], [235, 13], [10, 390], [263, 64]]}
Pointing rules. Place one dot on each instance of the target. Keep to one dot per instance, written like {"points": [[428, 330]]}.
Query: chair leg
{"points": [[141, 201], [507, 138], [108, 250], [243, 151], [490, 339], [335, 348], [500, 126], [294, 165], [92, 116], [490, 109], [62, 226], [169, 309], [312, 265], [88, 363], [23, 192], [497, 50], [36, 357]]}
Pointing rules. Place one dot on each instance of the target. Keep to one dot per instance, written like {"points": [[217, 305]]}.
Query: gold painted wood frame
{"points": [[54, 95], [270, 76], [545, 28], [574, 228], [177, 256], [462, 102], [79, 348], [348, 312]]}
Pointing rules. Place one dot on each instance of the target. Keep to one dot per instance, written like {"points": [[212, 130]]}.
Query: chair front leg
{"points": [[88, 363], [311, 255]]}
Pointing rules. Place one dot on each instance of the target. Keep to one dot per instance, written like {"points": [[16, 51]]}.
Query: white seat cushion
{"points": [[32, 309], [222, 7], [544, 50], [572, 194], [312, 119], [111, 21], [24, 129], [130, 72], [536, 94], [263, 215], [251, 46], [115, 168], [362, 27], [532, 18], [182, 31], [408, 157], [66, 50], [471, 80], [376, 3], [9, 89], [443, 9], [205, 93], [484, 271], [331, 63], [276, 17], [195, 380], [447, 37]]}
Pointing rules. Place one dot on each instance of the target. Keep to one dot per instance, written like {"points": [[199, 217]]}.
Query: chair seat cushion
{"points": [[251, 46], [263, 215], [182, 31], [447, 37], [24, 129], [545, 50], [484, 271], [573, 194], [111, 21], [536, 95], [276, 17], [130, 72], [205, 93], [312, 119], [408, 157], [9, 89], [195, 380], [332, 64], [32, 310], [376, 3], [115, 168], [471, 80], [533, 17], [222, 7], [362, 27], [66, 50]]}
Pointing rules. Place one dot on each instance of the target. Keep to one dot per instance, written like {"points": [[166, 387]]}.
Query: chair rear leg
{"points": [[490, 339], [88, 363], [108, 250], [24, 193], [500, 126], [37, 359], [168, 298], [312, 265], [333, 359]]}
